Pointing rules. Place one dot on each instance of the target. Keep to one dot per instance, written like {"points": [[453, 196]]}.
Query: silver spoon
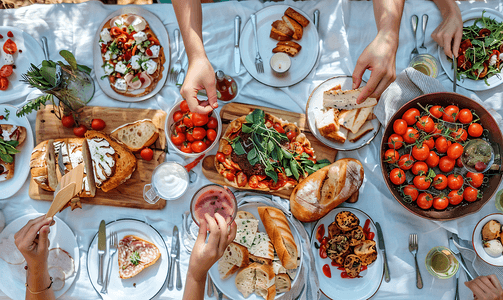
{"points": [[425, 21]]}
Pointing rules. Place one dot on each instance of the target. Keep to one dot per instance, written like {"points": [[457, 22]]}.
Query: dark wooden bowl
{"points": [[494, 136]]}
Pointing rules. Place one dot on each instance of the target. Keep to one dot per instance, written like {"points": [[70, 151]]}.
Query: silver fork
{"points": [[258, 60], [113, 244], [425, 22], [415, 20], [177, 66], [413, 250]]}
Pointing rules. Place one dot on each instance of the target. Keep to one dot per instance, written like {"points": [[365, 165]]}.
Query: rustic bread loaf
{"points": [[136, 136]]}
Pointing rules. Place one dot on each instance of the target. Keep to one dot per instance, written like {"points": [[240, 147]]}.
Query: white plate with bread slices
{"points": [[293, 33], [249, 268], [368, 281], [13, 175], [63, 260], [149, 276], [336, 120]]}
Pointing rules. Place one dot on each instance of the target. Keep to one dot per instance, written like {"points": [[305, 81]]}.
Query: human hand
{"points": [[450, 31], [33, 242], [200, 75], [486, 288], [204, 255], [379, 57]]}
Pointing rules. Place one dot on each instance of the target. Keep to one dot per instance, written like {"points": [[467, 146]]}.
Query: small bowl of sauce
{"points": [[169, 181], [280, 62], [441, 262], [212, 199]]}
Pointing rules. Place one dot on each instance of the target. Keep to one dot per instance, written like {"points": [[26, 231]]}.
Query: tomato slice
{"points": [[227, 150], [6, 71], [4, 83], [242, 180], [10, 47]]}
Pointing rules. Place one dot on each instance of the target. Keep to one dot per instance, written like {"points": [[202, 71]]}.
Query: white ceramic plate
{"points": [[228, 286], [315, 106], [302, 63], [146, 284], [22, 159], [477, 240], [469, 17], [337, 287], [160, 31], [32, 54], [13, 276]]}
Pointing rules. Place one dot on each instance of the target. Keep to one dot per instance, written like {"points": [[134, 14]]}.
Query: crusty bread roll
{"points": [[279, 232], [325, 189], [137, 135]]}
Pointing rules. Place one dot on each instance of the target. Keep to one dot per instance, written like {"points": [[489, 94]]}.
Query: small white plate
{"points": [[22, 159], [146, 284], [32, 54], [228, 286], [469, 17], [302, 63], [160, 31], [477, 240], [314, 107], [347, 288], [13, 276]]}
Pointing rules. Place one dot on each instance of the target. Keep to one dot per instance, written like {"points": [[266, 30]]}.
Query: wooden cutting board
{"points": [[129, 194], [235, 110]]}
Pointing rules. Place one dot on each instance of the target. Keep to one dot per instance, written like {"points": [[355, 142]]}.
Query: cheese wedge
{"points": [[246, 231], [345, 99]]}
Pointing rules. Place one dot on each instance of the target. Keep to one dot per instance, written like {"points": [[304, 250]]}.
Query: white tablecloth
{"points": [[345, 30]]}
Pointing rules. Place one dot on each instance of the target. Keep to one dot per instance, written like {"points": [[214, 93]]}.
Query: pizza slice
{"points": [[11, 139], [135, 255]]}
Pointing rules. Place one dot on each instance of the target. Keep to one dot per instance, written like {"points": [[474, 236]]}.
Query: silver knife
{"points": [[177, 250], [237, 55], [456, 294], [383, 248], [61, 163], [174, 244], [455, 67], [102, 247]]}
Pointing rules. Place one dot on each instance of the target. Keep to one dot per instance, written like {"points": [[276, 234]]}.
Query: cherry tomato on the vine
{"points": [[424, 200], [440, 182], [421, 182], [420, 168], [475, 130], [460, 135], [395, 141], [470, 194], [399, 126], [436, 111], [410, 116], [465, 116], [455, 181], [411, 191], [433, 159], [425, 124], [177, 116], [475, 179], [455, 150], [411, 135], [454, 197], [421, 153], [184, 107], [446, 164], [442, 144], [406, 162], [391, 156], [450, 113], [440, 203], [397, 176]]}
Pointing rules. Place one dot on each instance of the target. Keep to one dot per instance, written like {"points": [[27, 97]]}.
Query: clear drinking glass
{"points": [[441, 262], [426, 64], [169, 181]]}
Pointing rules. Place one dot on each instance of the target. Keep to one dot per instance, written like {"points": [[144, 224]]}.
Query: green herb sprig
{"points": [[135, 258]]}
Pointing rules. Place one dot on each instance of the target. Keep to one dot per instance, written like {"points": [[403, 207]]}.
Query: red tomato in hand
{"points": [[410, 135], [410, 116], [470, 194], [177, 116], [391, 156], [68, 121], [436, 111], [397, 176], [475, 130], [395, 141], [10, 47], [184, 107], [98, 124], [455, 150], [440, 203], [6, 71], [421, 153], [425, 124], [147, 154], [450, 113], [278, 128], [455, 197], [411, 191], [211, 134], [475, 179], [178, 138], [442, 144], [212, 123], [80, 131], [421, 182], [220, 157], [446, 164], [455, 181], [465, 116], [198, 133], [432, 160], [424, 201], [399, 126], [4, 83], [440, 182], [186, 147], [406, 162], [198, 146], [199, 119], [420, 168]]}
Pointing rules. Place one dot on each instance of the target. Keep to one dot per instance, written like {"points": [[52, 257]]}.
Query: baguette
{"points": [[137, 135], [292, 13], [325, 189], [279, 232], [297, 29]]}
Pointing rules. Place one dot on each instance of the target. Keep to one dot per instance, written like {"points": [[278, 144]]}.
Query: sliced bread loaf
{"points": [[245, 280], [136, 136]]}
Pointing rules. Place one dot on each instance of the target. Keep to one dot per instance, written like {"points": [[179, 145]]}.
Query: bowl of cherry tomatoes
{"points": [[421, 154], [192, 134]]}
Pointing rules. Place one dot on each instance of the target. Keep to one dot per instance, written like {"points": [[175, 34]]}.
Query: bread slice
{"points": [[327, 121], [289, 47], [236, 254], [246, 231], [297, 29], [345, 100], [136, 136], [278, 35], [135, 255], [278, 268], [262, 246], [366, 128], [226, 269], [245, 280], [282, 27], [265, 282], [244, 215], [283, 283], [362, 116], [292, 13], [347, 118]]}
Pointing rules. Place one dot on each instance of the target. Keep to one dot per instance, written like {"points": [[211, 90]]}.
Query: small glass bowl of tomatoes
{"points": [[192, 134]]}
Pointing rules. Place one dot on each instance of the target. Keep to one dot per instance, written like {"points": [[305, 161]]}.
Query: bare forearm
{"points": [[388, 14], [38, 280], [194, 289], [190, 19]]}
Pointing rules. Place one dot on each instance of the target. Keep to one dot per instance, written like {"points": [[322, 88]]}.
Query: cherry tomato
{"points": [[326, 271], [4, 83], [212, 123], [450, 113], [323, 252], [229, 176], [177, 116], [406, 161], [400, 126], [207, 142], [430, 142], [80, 131], [459, 163], [220, 157], [410, 116], [422, 182], [181, 128], [440, 182], [184, 107], [421, 153], [10, 47], [455, 150], [411, 191], [186, 147], [455, 197], [211, 134], [189, 136], [442, 144], [6, 71], [198, 146], [446, 164], [465, 116], [9, 34], [432, 160], [178, 138], [420, 168], [438, 130], [424, 200], [198, 133], [425, 124], [480, 166], [291, 135], [397, 176], [278, 128], [227, 150], [470, 194], [476, 179], [455, 181], [199, 119], [241, 179], [391, 156], [187, 120], [410, 135], [436, 111], [459, 135], [68, 121], [147, 154], [440, 203], [98, 124], [395, 141], [475, 130]]}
